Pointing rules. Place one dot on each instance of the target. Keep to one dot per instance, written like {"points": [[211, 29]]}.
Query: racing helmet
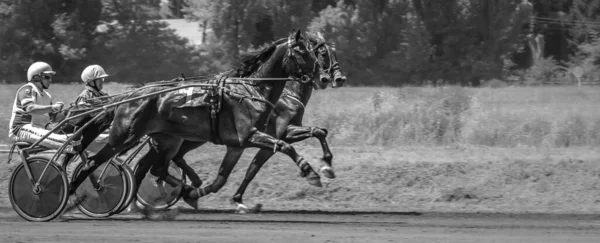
{"points": [[92, 72], [38, 68]]}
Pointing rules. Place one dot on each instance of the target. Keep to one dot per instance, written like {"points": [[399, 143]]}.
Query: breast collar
{"points": [[296, 99]]}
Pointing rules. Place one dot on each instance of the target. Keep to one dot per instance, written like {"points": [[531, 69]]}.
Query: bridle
{"points": [[304, 78], [333, 65]]}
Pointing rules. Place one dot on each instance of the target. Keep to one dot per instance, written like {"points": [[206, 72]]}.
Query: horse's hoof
{"points": [[257, 208], [170, 214], [314, 179], [241, 209], [131, 209], [328, 172], [192, 202], [74, 201], [135, 208], [146, 212]]}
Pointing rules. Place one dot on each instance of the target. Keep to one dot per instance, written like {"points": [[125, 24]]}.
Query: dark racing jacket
{"points": [[89, 93]]}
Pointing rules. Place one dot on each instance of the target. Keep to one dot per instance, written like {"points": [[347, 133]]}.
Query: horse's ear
{"points": [[290, 38], [298, 35], [320, 35]]}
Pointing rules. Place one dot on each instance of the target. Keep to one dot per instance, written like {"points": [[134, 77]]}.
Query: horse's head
{"points": [[339, 79], [300, 61], [330, 71]]}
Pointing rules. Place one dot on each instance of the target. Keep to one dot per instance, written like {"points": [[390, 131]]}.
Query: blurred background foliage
{"points": [[378, 42]]}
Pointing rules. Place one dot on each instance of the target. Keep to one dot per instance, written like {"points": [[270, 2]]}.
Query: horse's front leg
{"points": [[262, 140], [299, 133]]}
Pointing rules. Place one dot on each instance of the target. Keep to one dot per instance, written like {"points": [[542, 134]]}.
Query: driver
{"points": [[93, 77], [33, 109]]}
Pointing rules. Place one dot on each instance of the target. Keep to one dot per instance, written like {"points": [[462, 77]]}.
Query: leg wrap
{"points": [[201, 192]]}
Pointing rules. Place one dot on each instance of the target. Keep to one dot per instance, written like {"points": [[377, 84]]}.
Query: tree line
{"points": [[378, 42]]}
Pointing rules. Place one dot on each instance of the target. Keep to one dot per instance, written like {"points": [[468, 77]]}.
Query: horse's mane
{"points": [[313, 37], [249, 62]]}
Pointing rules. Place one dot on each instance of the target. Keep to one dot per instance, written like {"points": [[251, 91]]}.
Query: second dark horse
{"points": [[285, 123]]}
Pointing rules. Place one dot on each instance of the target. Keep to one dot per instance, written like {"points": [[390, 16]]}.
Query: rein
{"points": [[304, 78], [221, 81], [241, 97], [197, 79]]}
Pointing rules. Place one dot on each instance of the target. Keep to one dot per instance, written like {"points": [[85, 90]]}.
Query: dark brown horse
{"points": [[240, 119], [286, 122]]}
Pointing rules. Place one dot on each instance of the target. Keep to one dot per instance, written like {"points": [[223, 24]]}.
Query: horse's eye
{"points": [[298, 49]]}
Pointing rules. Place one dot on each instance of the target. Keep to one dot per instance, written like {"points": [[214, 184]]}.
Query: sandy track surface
{"points": [[286, 227]]}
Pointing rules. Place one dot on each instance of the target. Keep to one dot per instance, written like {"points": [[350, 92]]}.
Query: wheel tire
{"points": [[131, 186], [149, 195], [110, 197], [50, 202]]}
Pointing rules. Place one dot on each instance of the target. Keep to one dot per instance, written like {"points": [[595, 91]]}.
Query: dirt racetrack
{"points": [[190, 226]]}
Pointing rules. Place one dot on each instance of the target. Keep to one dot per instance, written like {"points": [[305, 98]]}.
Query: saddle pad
{"points": [[194, 97]]}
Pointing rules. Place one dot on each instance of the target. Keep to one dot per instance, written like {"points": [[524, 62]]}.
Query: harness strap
{"points": [[216, 101], [241, 97], [295, 99]]}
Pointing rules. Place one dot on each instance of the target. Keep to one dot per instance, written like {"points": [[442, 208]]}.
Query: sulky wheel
{"points": [[158, 194], [45, 201], [131, 185], [104, 190]]}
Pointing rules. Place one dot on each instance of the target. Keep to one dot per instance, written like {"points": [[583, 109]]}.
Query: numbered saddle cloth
{"points": [[192, 97]]}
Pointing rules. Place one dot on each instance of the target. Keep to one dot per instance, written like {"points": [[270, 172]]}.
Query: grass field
{"points": [[443, 149], [550, 117]]}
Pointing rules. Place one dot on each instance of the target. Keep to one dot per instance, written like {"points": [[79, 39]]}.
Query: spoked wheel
{"points": [[104, 190], [42, 202], [131, 185], [158, 194]]}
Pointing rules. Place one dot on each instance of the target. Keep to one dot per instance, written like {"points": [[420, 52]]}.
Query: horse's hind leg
{"points": [[98, 159], [178, 159], [259, 160], [144, 165], [165, 146], [229, 161], [265, 141], [298, 133]]}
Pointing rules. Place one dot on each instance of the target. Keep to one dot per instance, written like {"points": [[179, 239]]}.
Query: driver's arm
{"points": [[39, 109], [27, 100]]}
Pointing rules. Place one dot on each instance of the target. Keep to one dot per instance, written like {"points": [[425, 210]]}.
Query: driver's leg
{"points": [[31, 134]]}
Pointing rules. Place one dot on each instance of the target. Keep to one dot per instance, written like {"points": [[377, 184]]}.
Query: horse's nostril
{"points": [[340, 79], [324, 80]]}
